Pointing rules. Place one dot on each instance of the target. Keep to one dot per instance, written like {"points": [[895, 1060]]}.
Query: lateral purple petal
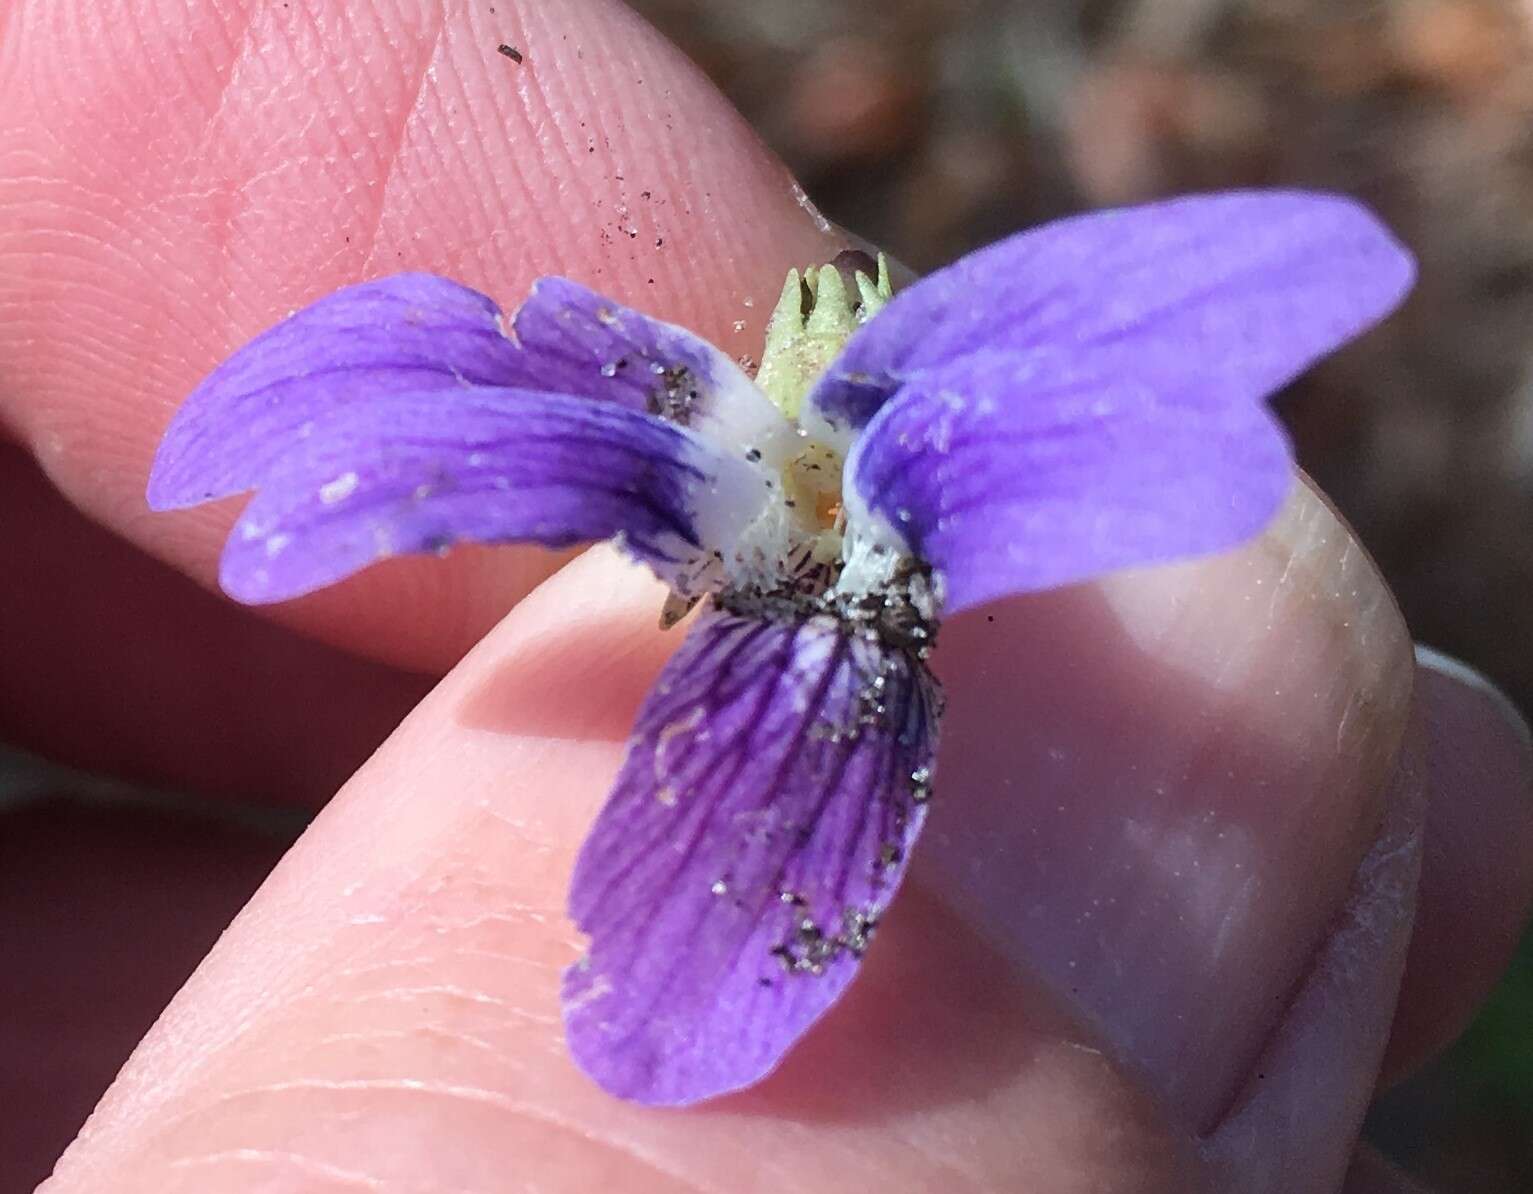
{"points": [[1011, 473], [760, 825], [1258, 284], [407, 333], [417, 332], [419, 472], [581, 342]]}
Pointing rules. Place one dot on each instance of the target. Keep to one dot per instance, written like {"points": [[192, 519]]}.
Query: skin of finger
{"points": [[104, 912], [1295, 1122], [408, 950], [114, 662], [1179, 772], [175, 188], [1477, 872], [386, 1008]]}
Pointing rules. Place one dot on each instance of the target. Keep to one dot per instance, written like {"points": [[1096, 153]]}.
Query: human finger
{"points": [[208, 168], [404, 1026], [1477, 865], [114, 662], [104, 911]]}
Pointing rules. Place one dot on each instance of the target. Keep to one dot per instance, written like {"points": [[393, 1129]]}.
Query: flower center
{"points": [[811, 484], [817, 562], [815, 316]]}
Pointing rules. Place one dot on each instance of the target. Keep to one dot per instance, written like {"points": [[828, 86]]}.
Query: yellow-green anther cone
{"points": [[874, 295], [798, 349], [787, 317], [831, 316]]}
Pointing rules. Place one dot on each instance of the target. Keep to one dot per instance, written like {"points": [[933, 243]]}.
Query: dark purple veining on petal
{"points": [[760, 825], [1009, 473], [1257, 284], [407, 333], [415, 472]]}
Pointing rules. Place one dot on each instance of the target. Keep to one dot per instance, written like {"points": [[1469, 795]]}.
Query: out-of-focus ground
{"points": [[934, 126]]}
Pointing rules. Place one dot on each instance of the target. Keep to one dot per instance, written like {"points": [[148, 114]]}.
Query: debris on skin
{"points": [[510, 52]]}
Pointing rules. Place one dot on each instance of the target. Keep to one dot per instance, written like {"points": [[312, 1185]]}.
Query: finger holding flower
{"points": [[1075, 400]]}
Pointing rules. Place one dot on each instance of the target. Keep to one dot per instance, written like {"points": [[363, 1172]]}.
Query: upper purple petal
{"points": [[410, 332], [576, 341], [582, 342], [1009, 473], [760, 825], [420, 471], [1258, 284], [417, 332]]}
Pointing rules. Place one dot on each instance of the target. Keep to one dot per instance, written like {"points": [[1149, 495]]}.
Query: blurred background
{"points": [[934, 126]]}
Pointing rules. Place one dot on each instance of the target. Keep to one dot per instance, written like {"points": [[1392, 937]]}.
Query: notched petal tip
{"points": [[406, 332], [166, 491], [760, 825], [389, 382]]}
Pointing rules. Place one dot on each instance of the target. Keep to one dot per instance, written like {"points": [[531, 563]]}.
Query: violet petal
{"points": [[420, 471], [581, 342], [1009, 473], [410, 332], [418, 332], [760, 824], [1257, 284]]}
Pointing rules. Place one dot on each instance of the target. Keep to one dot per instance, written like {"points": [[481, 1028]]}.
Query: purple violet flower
{"points": [[1076, 399]]}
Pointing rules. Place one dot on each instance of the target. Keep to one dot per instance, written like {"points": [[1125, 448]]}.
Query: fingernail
{"points": [[1153, 793], [1477, 691], [1478, 871]]}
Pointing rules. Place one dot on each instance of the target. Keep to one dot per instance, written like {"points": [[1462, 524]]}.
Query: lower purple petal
{"points": [[757, 831], [1011, 473], [418, 472]]}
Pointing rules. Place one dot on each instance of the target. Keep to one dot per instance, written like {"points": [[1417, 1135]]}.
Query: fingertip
{"points": [[1174, 775], [298, 165], [1477, 871]]}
